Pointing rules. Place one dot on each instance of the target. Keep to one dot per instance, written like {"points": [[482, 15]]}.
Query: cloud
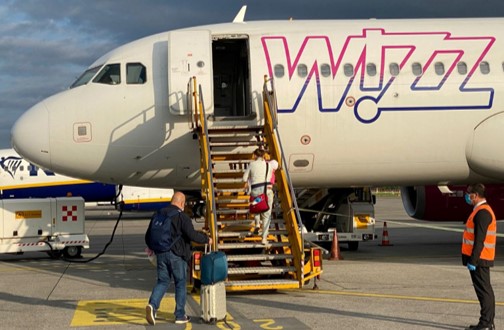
{"points": [[46, 45]]}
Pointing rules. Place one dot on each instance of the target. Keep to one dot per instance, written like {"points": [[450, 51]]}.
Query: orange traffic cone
{"points": [[385, 239], [335, 251]]}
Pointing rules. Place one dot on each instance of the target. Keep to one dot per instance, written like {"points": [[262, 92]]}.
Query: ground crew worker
{"points": [[478, 252]]}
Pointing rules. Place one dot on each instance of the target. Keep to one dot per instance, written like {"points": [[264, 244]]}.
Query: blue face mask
{"points": [[467, 198]]}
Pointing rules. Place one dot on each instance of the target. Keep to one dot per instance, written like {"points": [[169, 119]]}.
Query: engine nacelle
{"points": [[428, 203]]}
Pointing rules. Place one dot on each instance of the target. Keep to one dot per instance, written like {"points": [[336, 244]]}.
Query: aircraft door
{"points": [[189, 55]]}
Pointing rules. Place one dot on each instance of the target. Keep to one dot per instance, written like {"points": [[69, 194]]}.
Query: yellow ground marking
{"points": [[127, 311], [390, 296]]}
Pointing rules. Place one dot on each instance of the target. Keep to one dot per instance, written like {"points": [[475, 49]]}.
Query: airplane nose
{"points": [[30, 135]]}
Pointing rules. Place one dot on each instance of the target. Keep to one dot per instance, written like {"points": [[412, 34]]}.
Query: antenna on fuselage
{"points": [[240, 17]]}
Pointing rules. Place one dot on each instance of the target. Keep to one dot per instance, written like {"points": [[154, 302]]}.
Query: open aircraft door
{"points": [[189, 55]]}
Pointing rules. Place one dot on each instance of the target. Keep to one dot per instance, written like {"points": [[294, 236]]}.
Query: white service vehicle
{"points": [[350, 214], [52, 225]]}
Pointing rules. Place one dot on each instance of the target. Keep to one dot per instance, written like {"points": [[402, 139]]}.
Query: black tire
{"points": [[72, 251], [353, 246], [54, 254]]}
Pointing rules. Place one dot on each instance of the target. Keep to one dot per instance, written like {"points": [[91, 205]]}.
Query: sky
{"points": [[46, 44]]}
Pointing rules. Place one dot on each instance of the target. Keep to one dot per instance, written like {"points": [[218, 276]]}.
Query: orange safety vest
{"points": [[488, 252]]}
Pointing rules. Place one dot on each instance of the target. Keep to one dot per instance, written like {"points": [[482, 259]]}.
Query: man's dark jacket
{"points": [[182, 226]]}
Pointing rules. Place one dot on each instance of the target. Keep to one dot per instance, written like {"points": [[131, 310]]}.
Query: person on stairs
{"points": [[254, 178]]}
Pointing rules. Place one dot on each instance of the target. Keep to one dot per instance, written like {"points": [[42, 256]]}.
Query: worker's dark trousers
{"points": [[481, 281]]}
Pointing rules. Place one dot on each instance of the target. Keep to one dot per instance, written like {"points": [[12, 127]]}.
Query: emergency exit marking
{"points": [[31, 214], [68, 213]]}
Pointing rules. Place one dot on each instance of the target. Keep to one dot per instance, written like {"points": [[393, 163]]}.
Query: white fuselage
{"points": [[370, 102]]}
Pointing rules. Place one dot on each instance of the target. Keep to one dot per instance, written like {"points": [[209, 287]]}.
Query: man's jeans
{"points": [[170, 265]]}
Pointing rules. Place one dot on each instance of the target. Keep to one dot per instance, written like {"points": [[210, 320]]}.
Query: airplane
{"points": [[415, 103], [22, 179]]}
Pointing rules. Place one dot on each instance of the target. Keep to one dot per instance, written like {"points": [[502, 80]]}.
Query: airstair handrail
{"points": [[198, 121], [213, 222], [271, 99], [192, 103], [270, 117], [274, 115]]}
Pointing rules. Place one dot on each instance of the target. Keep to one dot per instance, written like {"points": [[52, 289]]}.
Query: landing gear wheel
{"points": [[72, 251], [353, 246]]}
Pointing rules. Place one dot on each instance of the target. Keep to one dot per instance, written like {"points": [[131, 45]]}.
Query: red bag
{"points": [[259, 204]]}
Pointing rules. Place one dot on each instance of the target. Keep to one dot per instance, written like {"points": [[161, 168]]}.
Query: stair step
{"points": [[234, 143], [245, 221], [244, 233], [232, 199], [261, 270], [250, 245], [227, 173], [228, 180], [230, 185], [258, 257], [233, 211], [231, 161], [236, 222], [228, 190], [268, 284], [235, 129]]}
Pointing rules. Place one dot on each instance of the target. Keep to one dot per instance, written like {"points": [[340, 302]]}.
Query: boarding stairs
{"points": [[225, 153]]}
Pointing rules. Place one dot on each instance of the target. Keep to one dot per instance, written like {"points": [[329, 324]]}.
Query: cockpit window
{"points": [[85, 77], [110, 75], [135, 73]]}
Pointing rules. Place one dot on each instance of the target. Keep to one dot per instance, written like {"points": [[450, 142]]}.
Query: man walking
{"points": [[173, 258], [478, 252]]}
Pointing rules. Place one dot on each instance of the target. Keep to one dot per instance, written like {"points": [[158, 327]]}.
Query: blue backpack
{"points": [[159, 234]]}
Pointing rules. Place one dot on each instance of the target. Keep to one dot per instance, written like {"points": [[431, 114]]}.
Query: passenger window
{"points": [[394, 69], [110, 75], [279, 70], [371, 69], [135, 73], [348, 70], [417, 69], [485, 67], [325, 70], [462, 68], [439, 68], [302, 70]]}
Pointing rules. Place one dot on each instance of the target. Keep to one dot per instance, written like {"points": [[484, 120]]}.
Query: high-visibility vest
{"points": [[488, 252]]}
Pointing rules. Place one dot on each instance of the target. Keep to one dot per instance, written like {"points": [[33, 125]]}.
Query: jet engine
{"points": [[429, 203]]}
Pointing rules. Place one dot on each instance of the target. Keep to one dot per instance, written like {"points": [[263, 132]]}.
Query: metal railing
{"points": [[289, 207], [199, 123]]}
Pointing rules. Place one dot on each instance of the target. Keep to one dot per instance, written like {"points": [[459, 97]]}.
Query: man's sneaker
{"points": [[150, 315], [183, 320]]}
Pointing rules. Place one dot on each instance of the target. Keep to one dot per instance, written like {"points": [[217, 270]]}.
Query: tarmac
{"points": [[416, 283]]}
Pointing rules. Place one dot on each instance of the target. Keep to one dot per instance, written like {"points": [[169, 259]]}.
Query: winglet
{"points": [[240, 17]]}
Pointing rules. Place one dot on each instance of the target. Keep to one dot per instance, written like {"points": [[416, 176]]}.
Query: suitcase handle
{"points": [[208, 248]]}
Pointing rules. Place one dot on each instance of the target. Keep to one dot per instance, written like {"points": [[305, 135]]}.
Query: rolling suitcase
{"points": [[213, 267], [213, 302]]}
